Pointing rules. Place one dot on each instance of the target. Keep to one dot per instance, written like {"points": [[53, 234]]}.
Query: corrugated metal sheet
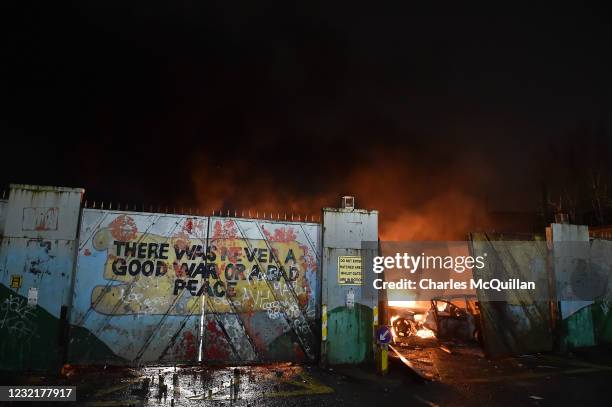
{"points": [[149, 290], [36, 262], [521, 323], [580, 276], [349, 328]]}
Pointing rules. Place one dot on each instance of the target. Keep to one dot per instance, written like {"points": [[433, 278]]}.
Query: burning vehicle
{"points": [[454, 318], [407, 324]]}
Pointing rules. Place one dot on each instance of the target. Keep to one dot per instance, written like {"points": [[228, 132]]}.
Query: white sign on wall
{"points": [[32, 296]]}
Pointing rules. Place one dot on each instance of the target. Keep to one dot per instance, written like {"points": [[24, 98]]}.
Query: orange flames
{"points": [[414, 203], [391, 321], [425, 333], [422, 331]]}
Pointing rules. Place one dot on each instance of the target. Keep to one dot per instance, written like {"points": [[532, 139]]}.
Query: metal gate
{"points": [[162, 288], [515, 322]]}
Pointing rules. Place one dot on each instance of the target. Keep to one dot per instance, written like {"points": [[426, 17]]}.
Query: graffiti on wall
{"points": [[157, 275], [223, 288], [16, 317]]}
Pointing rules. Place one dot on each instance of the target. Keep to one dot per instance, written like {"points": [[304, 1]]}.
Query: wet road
{"points": [[460, 378]]}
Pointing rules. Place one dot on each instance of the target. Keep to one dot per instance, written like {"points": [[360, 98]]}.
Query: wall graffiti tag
{"points": [[16, 317]]}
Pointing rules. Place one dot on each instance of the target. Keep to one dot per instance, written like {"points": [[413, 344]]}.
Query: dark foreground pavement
{"points": [[460, 378]]}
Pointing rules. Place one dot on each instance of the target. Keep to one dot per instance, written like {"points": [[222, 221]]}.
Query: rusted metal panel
{"points": [[600, 232], [350, 305], [36, 266], [158, 287]]}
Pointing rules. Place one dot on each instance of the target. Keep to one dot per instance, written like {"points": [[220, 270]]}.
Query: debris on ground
{"points": [[446, 349]]}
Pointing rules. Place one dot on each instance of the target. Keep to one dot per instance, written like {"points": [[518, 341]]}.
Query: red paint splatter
{"points": [[298, 352], [248, 306], [258, 341], [49, 217], [281, 235], [180, 270], [308, 259], [86, 252], [123, 228], [194, 226], [181, 240], [188, 225], [216, 344], [228, 251], [212, 328], [225, 230], [189, 346]]}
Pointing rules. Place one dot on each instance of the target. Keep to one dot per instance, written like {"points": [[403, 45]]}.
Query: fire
{"points": [[421, 212], [421, 330], [404, 304], [393, 319], [425, 333]]}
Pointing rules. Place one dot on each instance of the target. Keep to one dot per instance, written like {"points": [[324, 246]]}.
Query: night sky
{"points": [[434, 117]]}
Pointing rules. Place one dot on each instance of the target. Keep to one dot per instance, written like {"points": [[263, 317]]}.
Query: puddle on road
{"points": [[184, 386]]}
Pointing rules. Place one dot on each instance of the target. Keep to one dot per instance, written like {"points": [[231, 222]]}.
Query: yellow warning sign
{"points": [[349, 270], [15, 281]]}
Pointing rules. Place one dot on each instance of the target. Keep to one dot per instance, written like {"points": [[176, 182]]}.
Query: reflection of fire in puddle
{"points": [[190, 385], [413, 342], [231, 384]]}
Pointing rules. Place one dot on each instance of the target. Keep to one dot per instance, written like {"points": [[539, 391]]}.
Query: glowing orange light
{"points": [[407, 304], [393, 319], [425, 333]]}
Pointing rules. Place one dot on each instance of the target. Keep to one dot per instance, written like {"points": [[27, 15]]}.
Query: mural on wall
{"points": [[168, 287]]}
